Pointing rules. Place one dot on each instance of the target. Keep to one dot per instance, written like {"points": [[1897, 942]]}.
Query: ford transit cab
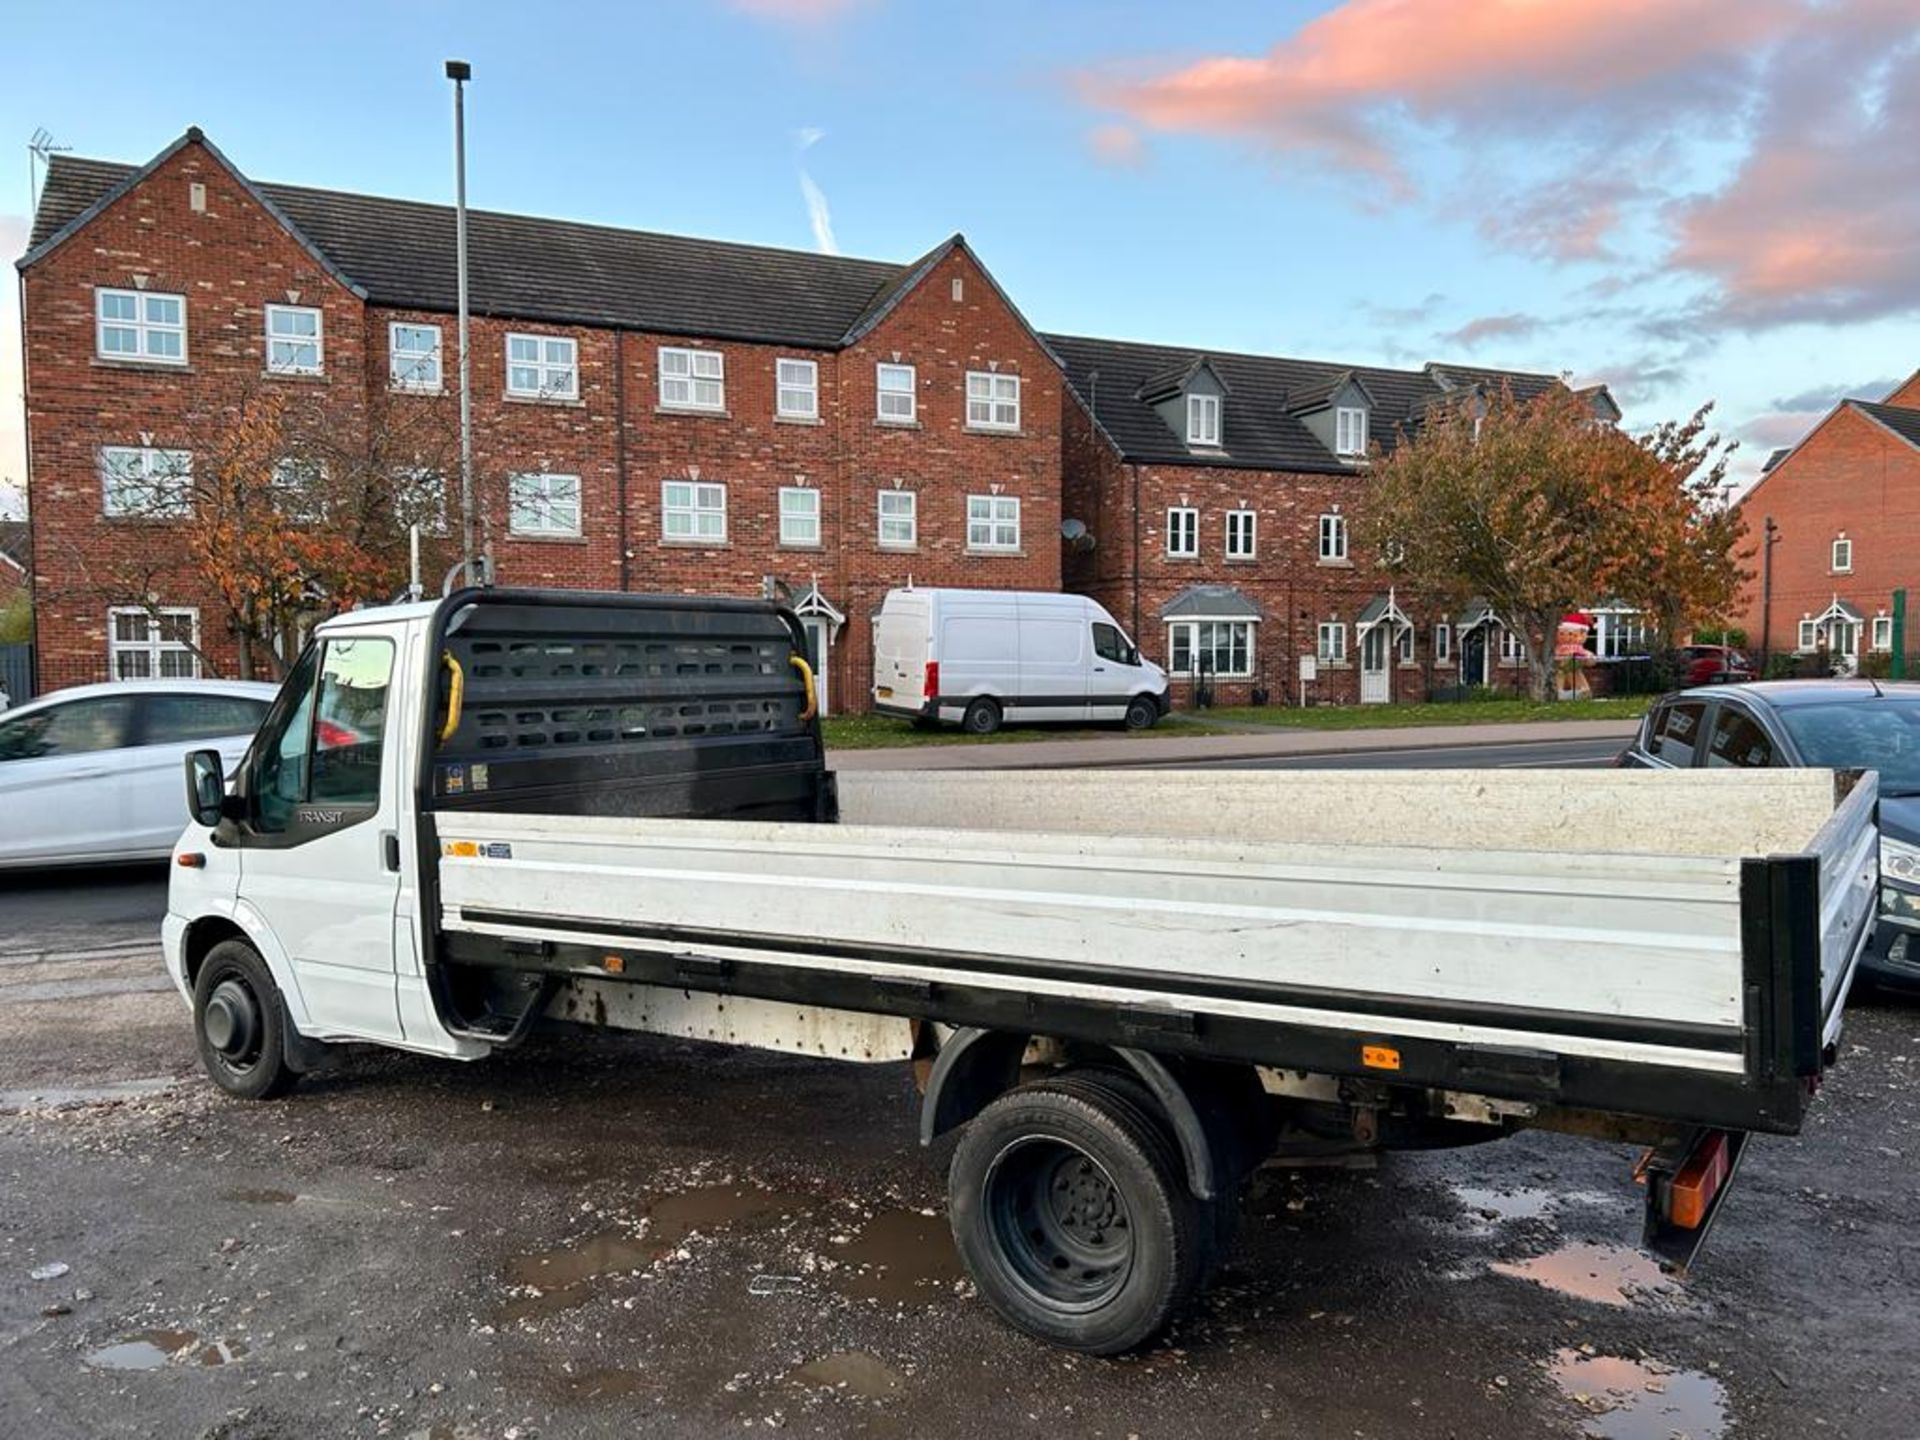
{"points": [[980, 657]]}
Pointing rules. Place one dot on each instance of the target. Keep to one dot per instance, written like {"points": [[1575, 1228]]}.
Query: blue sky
{"points": [[1693, 199]]}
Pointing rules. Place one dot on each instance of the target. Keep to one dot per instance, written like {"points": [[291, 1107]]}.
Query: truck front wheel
{"points": [[239, 1023], [982, 716], [1072, 1214]]}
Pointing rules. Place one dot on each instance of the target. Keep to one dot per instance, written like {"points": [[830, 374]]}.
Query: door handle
{"points": [[390, 849]]}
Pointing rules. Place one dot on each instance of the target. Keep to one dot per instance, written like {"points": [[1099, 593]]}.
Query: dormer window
{"points": [[1203, 420], [1350, 430]]}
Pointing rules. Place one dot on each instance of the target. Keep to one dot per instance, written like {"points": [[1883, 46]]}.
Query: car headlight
{"points": [[1899, 861]]}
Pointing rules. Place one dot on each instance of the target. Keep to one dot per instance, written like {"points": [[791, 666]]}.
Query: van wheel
{"points": [[240, 1025], [982, 717], [1072, 1213], [1142, 713]]}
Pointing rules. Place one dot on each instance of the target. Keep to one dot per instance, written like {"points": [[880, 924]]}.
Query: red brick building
{"points": [[1835, 525], [663, 413], [653, 412], [1218, 494]]}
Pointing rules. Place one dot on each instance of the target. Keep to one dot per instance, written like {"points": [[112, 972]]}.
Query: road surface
{"points": [[1556, 754]]}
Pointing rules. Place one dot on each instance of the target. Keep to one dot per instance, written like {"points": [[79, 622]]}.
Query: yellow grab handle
{"points": [[813, 698], [455, 693]]}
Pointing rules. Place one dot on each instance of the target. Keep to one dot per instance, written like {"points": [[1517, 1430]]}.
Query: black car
{"points": [[1842, 724]]}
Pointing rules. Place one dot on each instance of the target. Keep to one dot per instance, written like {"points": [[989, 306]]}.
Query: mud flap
{"points": [[1687, 1179]]}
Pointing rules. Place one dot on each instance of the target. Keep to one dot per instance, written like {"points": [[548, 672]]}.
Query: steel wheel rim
{"points": [[1061, 1225]]}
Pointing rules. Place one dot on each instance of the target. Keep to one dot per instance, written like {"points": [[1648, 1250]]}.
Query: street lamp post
{"points": [[459, 71]]}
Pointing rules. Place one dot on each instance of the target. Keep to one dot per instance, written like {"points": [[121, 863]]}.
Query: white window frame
{"points": [[1203, 421], [537, 490], [298, 483], [683, 371], [1330, 642], [1403, 643], [166, 476], [296, 342], [1183, 532], [1809, 637], [997, 520], [705, 501], [1619, 634], [1513, 647], [806, 517], [993, 401], [907, 516], [1245, 545], [1442, 643], [398, 377], [1842, 556], [1189, 627], [1350, 430], [1882, 633], [786, 387], [897, 391], [1333, 538], [155, 645], [144, 327], [545, 365]]}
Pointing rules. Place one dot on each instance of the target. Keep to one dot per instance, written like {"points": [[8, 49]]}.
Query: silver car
{"points": [[93, 774]]}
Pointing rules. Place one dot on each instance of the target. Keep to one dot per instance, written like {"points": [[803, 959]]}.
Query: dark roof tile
{"points": [[1903, 422]]}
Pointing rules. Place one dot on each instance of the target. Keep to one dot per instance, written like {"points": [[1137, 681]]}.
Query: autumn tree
{"points": [[285, 506], [1538, 508]]}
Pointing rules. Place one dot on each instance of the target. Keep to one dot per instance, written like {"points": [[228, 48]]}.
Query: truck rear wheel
{"points": [[240, 1025], [982, 716], [1072, 1214]]}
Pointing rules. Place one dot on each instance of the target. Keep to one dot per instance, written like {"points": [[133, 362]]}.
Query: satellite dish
{"points": [[1072, 529]]}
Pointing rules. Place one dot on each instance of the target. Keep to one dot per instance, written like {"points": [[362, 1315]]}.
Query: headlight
{"points": [[1899, 861]]}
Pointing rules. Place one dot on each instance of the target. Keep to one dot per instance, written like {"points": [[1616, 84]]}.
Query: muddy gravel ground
{"points": [[619, 1237]]}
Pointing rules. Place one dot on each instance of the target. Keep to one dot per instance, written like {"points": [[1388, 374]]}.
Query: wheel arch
{"points": [[974, 1067]]}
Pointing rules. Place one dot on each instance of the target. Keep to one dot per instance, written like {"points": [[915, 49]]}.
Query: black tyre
{"points": [[1142, 713], [982, 717], [239, 1023], [1072, 1214]]}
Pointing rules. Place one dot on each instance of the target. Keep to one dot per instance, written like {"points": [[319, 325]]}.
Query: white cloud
{"points": [[819, 215]]}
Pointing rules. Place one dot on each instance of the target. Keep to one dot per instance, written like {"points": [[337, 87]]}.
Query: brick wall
{"points": [[1850, 479], [232, 257]]}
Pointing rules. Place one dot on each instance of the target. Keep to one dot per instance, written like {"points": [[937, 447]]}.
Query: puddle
{"points": [[1607, 1274], [65, 1098], [259, 1197], [1520, 1203], [151, 1349], [563, 1278], [1640, 1399], [901, 1258], [850, 1373]]}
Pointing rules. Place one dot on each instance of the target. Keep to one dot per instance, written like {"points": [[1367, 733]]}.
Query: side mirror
{"points": [[1133, 655], [206, 787]]}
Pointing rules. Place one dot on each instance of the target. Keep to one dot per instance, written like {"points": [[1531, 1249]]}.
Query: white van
{"points": [[979, 657]]}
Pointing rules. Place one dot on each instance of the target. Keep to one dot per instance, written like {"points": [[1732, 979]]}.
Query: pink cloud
{"points": [[1333, 88], [1119, 146], [799, 12], [1492, 327]]}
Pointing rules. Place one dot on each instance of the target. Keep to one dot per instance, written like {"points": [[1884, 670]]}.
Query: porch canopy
{"points": [[1838, 610], [1210, 602], [811, 601], [1383, 610], [1476, 614]]}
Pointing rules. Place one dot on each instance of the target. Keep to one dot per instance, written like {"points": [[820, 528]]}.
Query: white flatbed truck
{"points": [[466, 818]]}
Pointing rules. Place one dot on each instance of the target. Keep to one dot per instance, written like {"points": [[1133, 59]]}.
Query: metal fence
{"points": [[16, 672]]}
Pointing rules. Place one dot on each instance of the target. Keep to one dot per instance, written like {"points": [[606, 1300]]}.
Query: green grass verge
{"points": [[1464, 712]]}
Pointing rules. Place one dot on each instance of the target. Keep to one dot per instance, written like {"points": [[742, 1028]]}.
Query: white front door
{"points": [[1376, 678], [819, 643]]}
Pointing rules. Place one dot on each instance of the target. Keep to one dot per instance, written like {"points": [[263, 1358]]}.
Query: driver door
{"points": [[322, 796]]}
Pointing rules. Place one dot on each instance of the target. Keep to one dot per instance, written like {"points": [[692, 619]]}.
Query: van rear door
{"points": [[902, 646]]}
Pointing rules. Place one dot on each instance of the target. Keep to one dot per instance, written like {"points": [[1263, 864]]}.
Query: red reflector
{"points": [[932, 686], [192, 860], [1698, 1181]]}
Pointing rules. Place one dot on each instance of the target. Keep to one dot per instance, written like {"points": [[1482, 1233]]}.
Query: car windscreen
{"points": [[1879, 733]]}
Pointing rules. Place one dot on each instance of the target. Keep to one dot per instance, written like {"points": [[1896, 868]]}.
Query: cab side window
{"points": [[1739, 740], [177, 719], [1675, 731], [322, 744], [79, 727], [1108, 644]]}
